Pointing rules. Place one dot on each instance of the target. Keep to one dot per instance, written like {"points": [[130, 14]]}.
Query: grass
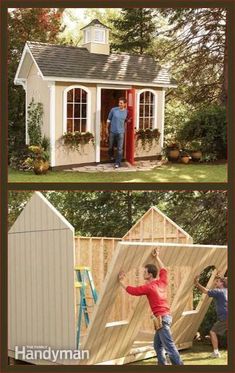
{"points": [[199, 354], [166, 173]]}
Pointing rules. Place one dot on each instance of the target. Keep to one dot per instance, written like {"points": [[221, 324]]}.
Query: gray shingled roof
{"points": [[75, 62]]}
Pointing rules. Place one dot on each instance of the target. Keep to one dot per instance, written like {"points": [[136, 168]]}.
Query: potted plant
{"points": [[184, 157], [73, 140], [87, 137], [196, 152], [173, 151], [147, 136], [39, 159]]}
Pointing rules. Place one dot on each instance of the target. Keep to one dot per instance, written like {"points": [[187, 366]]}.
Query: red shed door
{"points": [[130, 132]]}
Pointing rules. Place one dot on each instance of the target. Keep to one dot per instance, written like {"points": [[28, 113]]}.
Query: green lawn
{"points": [[198, 355], [165, 173]]}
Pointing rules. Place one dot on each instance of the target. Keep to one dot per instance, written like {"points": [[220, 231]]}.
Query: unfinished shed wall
{"points": [[97, 254], [121, 336], [154, 226]]}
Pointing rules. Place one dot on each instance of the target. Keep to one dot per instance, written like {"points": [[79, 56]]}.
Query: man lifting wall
{"points": [[156, 291]]}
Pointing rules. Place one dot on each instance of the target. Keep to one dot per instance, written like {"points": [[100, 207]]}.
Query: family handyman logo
{"points": [[29, 353]]}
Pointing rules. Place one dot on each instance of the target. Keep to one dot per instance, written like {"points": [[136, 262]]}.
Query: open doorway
{"points": [[109, 99]]}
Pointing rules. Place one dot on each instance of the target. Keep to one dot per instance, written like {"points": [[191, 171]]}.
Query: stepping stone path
{"points": [[146, 165]]}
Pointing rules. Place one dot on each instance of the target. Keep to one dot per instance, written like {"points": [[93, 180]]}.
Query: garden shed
{"points": [[78, 86], [43, 252]]}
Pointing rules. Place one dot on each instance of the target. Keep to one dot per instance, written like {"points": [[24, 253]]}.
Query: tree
{"points": [[134, 30], [102, 214], [198, 49], [37, 24], [112, 214], [202, 214], [73, 34], [16, 203]]}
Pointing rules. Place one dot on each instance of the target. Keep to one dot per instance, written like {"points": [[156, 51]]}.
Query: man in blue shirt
{"points": [[220, 296], [116, 127]]}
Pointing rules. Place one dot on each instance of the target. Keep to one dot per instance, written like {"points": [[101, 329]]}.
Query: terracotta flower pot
{"points": [[196, 155], [40, 166], [185, 159], [173, 154]]}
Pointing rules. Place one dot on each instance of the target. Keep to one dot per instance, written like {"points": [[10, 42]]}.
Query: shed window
{"points": [[76, 110], [100, 36], [87, 35], [146, 110]]}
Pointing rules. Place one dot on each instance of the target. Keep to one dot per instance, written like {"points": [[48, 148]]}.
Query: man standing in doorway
{"points": [[156, 292], [116, 130], [220, 296]]}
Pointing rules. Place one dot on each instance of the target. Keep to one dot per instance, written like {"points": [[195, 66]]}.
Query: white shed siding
{"points": [[38, 90], [41, 278]]}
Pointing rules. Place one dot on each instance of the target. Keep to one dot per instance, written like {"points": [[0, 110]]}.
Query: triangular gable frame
{"points": [[21, 81], [155, 211]]}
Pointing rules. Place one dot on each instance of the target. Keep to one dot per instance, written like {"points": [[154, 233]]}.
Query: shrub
{"points": [[22, 158], [35, 120], [45, 143], [18, 156], [208, 126], [176, 114]]}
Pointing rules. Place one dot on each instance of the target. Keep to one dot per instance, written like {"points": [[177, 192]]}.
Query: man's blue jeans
{"points": [[163, 342], [118, 140]]}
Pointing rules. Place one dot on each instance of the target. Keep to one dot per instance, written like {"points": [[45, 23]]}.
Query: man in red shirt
{"points": [[156, 292]]}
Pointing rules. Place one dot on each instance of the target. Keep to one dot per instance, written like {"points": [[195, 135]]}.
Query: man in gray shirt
{"points": [[220, 295], [116, 128]]}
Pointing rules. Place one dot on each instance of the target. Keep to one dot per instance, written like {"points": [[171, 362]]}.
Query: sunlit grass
{"points": [[166, 173], [199, 354]]}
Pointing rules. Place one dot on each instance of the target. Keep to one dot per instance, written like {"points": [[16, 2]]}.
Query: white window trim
{"points": [[138, 106], [88, 113], [104, 38], [87, 33]]}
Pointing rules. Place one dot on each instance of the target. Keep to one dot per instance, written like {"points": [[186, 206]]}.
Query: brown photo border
{"points": [[5, 186]]}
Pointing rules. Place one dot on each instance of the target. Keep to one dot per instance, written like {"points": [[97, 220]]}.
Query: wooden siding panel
{"points": [[40, 267]]}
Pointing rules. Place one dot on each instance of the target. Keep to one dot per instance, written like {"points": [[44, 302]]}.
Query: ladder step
{"points": [[83, 274], [79, 284], [82, 268]]}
